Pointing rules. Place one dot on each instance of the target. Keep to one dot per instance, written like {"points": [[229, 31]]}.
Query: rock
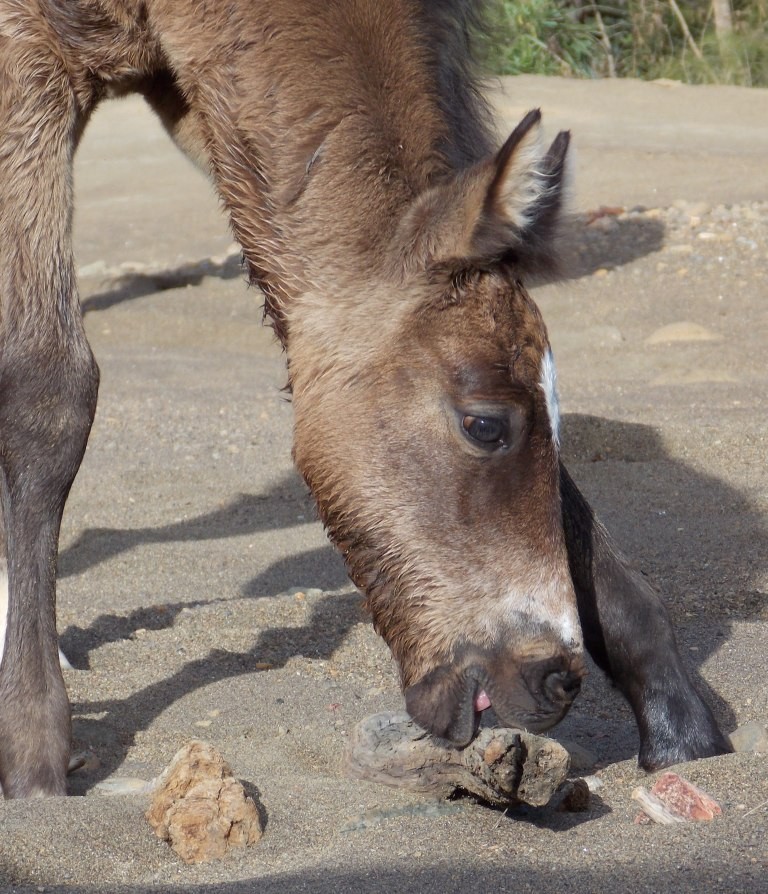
{"points": [[200, 808], [582, 760], [750, 736], [96, 268], [503, 767], [676, 800], [681, 331], [124, 785], [594, 783], [576, 795]]}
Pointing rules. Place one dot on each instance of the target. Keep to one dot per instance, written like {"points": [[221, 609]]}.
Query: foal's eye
{"points": [[487, 430]]}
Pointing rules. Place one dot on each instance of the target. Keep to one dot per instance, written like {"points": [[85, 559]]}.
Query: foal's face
{"points": [[436, 470], [426, 426]]}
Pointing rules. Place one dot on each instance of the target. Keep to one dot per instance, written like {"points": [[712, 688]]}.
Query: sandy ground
{"points": [[198, 596]]}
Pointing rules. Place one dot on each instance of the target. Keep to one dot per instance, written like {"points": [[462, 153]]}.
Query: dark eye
{"points": [[487, 430]]}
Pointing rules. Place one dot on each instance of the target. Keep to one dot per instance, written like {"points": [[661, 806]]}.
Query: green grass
{"points": [[628, 38]]}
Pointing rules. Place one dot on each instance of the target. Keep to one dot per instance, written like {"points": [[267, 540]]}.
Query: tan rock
{"points": [[200, 808], [684, 330]]}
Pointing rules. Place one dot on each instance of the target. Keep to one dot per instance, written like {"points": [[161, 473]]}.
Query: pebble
{"points": [[750, 736], [123, 785], [582, 759], [97, 268], [576, 795], [594, 783], [674, 799], [684, 330]]}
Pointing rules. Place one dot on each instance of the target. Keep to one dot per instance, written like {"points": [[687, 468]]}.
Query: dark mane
{"points": [[454, 28]]}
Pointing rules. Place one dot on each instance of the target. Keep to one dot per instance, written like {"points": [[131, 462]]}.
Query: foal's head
{"points": [[427, 428]]}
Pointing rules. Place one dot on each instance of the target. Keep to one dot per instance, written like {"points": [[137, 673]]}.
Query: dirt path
{"points": [[198, 596]]}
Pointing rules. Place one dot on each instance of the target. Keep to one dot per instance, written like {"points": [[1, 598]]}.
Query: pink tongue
{"points": [[482, 701]]}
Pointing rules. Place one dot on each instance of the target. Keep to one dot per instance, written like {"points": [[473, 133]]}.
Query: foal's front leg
{"points": [[628, 633], [48, 384]]}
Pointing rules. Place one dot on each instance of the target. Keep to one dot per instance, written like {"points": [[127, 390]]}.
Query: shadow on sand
{"points": [[666, 515]]}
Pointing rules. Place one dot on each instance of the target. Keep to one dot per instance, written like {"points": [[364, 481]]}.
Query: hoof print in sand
{"points": [[675, 800], [200, 808]]}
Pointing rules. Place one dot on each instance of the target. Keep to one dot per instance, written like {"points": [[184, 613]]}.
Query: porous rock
{"points": [[200, 808]]}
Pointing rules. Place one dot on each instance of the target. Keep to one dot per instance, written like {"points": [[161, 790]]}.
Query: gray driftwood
{"points": [[503, 767]]}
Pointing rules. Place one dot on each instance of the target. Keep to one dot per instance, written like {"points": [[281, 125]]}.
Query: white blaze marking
{"points": [[543, 605], [549, 387]]}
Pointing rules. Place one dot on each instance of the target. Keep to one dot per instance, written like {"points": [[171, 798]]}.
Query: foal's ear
{"points": [[523, 197], [505, 207]]}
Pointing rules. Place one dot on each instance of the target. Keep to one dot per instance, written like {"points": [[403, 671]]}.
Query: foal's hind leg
{"points": [[628, 633], [48, 385]]}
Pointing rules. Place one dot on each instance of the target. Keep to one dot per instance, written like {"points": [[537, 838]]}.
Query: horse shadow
{"points": [[131, 285], [660, 510], [587, 242]]}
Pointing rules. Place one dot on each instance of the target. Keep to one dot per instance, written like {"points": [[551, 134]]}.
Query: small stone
{"points": [[683, 249], [678, 800], [123, 785], [576, 795], [594, 783], [683, 330], [200, 808], [97, 268], [582, 760], [750, 736]]}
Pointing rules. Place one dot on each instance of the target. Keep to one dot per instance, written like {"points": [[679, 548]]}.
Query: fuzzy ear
{"points": [[506, 207], [523, 198]]}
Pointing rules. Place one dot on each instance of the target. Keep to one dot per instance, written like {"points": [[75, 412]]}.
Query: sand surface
{"points": [[198, 596]]}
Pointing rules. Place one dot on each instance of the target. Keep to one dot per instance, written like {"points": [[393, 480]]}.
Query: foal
{"points": [[348, 143]]}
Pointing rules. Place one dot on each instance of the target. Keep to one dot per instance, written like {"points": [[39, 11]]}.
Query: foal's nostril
{"points": [[562, 686]]}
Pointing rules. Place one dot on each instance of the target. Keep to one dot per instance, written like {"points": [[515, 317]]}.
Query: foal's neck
{"points": [[339, 121]]}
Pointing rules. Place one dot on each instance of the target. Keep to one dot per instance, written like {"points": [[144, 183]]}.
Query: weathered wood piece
{"points": [[502, 767], [200, 808]]}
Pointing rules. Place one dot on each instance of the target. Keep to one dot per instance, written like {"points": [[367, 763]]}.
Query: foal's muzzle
{"points": [[532, 695]]}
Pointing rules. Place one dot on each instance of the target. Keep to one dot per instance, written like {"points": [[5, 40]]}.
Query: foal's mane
{"points": [[453, 29]]}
